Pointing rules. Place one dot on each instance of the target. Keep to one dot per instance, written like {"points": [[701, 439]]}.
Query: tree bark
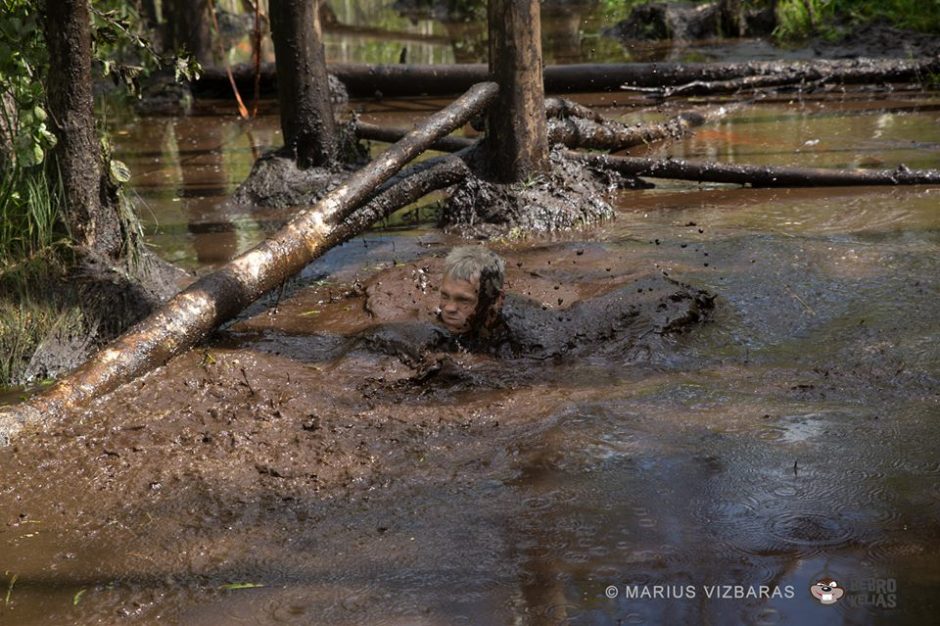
{"points": [[757, 176], [219, 296], [303, 86], [187, 26], [413, 80], [147, 9], [77, 156], [516, 133], [731, 18]]}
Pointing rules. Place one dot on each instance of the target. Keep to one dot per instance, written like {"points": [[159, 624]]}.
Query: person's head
{"points": [[471, 289]]}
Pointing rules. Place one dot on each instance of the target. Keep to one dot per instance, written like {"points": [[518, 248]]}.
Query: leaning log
{"points": [[447, 171], [363, 80], [219, 296], [757, 175]]}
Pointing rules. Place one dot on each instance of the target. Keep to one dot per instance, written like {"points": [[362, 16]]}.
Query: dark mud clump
{"points": [[878, 40], [683, 21], [276, 181], [568, 196]]}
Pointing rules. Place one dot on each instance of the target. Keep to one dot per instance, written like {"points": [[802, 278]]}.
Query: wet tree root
{"points": [[756, 176], [219, 296]]}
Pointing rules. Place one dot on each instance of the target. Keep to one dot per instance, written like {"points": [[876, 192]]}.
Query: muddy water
{"points": [[282, 474]]}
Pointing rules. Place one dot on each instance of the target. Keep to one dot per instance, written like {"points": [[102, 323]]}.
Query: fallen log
{"points": [[576, 132], [447, 171], [716, 87], [562, 107], [364, 130], [755, 175], [363, 80], [219, 296]]}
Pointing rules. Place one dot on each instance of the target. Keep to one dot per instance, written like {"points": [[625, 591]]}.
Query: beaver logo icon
{"points": [[827, 591]]}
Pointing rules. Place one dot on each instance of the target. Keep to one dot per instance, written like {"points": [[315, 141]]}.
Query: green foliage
{"points": [[24, 136], [799, 19], [123, 48], [34, 246], [911, 14], [28, 216], [33, 249]]}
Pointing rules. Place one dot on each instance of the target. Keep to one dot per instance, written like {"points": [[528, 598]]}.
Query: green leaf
{"points": [[78, 597], [120, 173], [30, 155]]}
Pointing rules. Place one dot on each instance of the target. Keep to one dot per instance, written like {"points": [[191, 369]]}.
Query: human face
{"points": [[458, 303]]}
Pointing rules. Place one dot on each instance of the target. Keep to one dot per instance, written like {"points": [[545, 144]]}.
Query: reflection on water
{"points": [[454, 31], [793, 438]]}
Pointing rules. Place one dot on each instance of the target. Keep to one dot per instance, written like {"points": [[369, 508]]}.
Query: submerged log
{"points": [[576, 132], [562, 107], [757, 175], [611, 135], [413, 80], [372, 132], [219, 296]]}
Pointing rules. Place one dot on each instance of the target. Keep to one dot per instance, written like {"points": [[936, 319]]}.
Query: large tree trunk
{"points": [[76, 157], [303, 86], [517, 139], [731, 18], [186, 26], [414, 80], [219, 296]]}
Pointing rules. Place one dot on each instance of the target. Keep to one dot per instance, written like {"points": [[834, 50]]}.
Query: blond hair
{"points": [[477, 263]]}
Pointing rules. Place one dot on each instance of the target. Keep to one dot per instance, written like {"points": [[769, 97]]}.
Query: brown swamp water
{"points": [[277, 475]]}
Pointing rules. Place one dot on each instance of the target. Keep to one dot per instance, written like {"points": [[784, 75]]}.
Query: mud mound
{"points": [[567, 197], [879, 40], [276, 181]]}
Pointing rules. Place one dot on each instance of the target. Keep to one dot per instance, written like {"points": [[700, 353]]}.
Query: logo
{"points": [[827, 591]]}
